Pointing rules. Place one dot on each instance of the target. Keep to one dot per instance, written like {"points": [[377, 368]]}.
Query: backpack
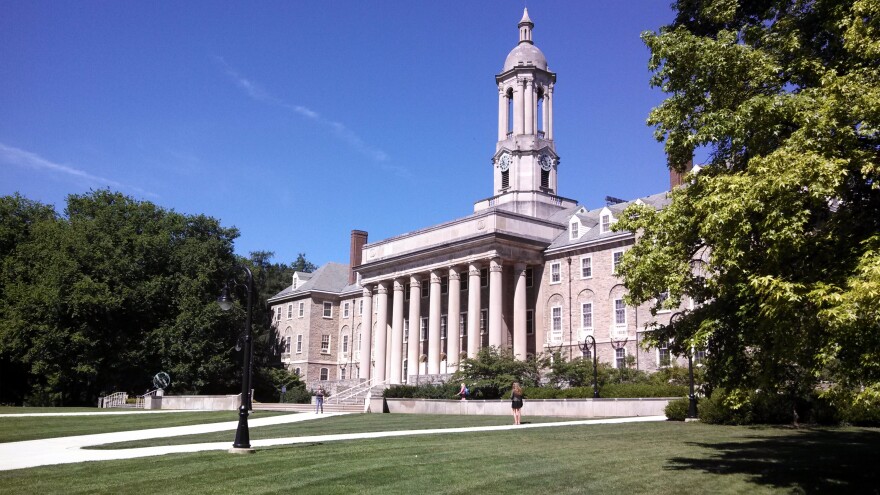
{"points": [[467, 392]]}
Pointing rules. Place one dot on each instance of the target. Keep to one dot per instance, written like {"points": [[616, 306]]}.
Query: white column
{"points": [[397, 333], [529, 98], [415, 313], [495, 303], [381, 330], [434, 325], [453, 337], [502, 114], [549, 103], [518, 112], [473, 326], [366, 333], [519, 312]]}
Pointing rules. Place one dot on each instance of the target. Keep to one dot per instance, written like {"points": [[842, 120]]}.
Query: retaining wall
{"points": [[576, 408], [199, 402]]}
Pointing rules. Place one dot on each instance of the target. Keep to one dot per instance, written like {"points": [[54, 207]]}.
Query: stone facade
{"points": [[528, 271]]}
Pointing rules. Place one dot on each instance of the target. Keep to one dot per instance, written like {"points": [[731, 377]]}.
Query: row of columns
{"points": [[376, 334], [525, 116]]}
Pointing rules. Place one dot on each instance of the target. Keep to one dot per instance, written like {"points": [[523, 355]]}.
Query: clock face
{"points": [[504, 162], [546, 162]]}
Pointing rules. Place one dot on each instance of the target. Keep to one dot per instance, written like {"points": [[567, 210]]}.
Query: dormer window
{"points": [[606, 222], [574, 229]]}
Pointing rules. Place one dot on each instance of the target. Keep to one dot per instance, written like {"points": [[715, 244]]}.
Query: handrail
{"points": [[358, 389], [115, 399]]}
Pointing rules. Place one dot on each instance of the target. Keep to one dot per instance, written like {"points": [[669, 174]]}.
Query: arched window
{"points": [[509, 111], [325, 374], [540, 113]]}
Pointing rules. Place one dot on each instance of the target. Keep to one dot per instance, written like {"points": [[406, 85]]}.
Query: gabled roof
{"points": [[330, 278], [590, 218]]}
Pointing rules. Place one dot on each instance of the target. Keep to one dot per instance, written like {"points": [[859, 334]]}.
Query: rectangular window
{"points": [[345, 343], [361, 307], [530, 277], [325, 374], [663, 357], [617, 256], [574, 230], [444, 285], [426, 288], [505, 179], [287, 345], [464, 280], [325, 344], [405, 331], [484, 277], [530, 322], [556, 324], [484, 321], [587, 316], [343, 374], [278, 314], [423, 329], [443, 324], [299, 344], [345, 310], [406, 289], [302, 309], [289, 311], [328, 309], [620, 358], [606, 223], [555, 273], [462, 325], [619, 313], [587, 267]]}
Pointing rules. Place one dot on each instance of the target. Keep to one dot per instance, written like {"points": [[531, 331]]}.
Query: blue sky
{"points": [[298, 121]]}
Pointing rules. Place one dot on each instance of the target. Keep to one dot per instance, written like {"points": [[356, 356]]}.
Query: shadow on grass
{"points": [[807, 461]]}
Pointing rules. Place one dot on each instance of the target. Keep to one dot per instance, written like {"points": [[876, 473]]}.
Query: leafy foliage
{"points": [[113, 291], [492, 373], [777, 236]]}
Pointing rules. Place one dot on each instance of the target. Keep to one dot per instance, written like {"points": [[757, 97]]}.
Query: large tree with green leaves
{"points": [[778, 236]]}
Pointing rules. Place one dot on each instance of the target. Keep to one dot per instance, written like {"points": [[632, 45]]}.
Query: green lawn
{"points": [[14, 429], [359, 423], [661, 458]]}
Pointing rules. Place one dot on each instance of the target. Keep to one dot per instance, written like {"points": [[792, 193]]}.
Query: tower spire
{"points": [[525, 27]]}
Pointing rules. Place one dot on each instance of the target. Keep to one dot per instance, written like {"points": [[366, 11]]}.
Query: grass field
{"points": [[663, 458]]}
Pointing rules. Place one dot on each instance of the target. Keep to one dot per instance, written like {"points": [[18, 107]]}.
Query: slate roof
{"points": [[332, 278], [590, 220]]}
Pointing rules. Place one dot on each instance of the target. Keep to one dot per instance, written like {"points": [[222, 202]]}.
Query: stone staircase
{"points": [[328, 408]]}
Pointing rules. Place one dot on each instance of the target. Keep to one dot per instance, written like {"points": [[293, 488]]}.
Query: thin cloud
{"points": [[256, 92], [22, 158]]}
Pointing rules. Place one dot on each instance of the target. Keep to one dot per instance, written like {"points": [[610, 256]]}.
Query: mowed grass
{"points": [[334, 425], [15, 429], [661, 458]]}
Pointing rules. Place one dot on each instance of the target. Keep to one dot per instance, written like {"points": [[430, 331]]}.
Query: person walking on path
{"points": [[516, 402], [319, 400], [463, 391]]}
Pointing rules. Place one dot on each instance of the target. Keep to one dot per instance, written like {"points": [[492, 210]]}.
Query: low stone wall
{"points": [[196, 402], [575, 408]]}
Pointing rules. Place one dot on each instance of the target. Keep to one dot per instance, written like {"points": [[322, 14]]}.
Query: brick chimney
{"points": [[355, 254], [677, 178]]}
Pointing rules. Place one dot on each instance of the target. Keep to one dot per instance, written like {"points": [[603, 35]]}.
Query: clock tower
{"points": [[525, 162]]}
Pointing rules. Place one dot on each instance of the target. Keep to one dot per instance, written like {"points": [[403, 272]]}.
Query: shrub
{"points": [[677, 409], [428, 391], [631, 390]]}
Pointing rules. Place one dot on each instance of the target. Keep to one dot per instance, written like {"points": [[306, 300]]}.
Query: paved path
{"points": [[66, 450]]}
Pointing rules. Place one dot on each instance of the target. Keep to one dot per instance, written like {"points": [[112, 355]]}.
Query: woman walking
{"points": [[516, 403]]}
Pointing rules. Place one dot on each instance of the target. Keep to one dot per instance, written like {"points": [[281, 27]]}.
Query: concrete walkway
{"points": [[66, 450]]}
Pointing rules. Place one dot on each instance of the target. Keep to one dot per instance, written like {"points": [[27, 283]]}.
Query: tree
{"points": [[492, 372], [778, 236], [302, 264]]}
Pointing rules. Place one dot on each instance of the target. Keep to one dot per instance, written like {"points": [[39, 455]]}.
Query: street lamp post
{"points": [[242, 434], [590, 343], [692, 399]]}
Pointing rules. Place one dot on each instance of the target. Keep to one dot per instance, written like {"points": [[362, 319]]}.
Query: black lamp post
{"points": [[242, 434], [692, 399], [590, 343]]}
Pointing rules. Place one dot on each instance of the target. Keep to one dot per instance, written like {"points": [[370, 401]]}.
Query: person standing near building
{"points": [[463, 391], [319, 400], [516, 402]]}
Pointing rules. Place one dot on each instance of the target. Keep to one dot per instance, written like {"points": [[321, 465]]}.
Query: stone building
{"points": [[528, 270]]}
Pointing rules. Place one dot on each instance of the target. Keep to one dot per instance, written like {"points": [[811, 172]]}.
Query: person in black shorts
{"points": [[516, 402]]}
